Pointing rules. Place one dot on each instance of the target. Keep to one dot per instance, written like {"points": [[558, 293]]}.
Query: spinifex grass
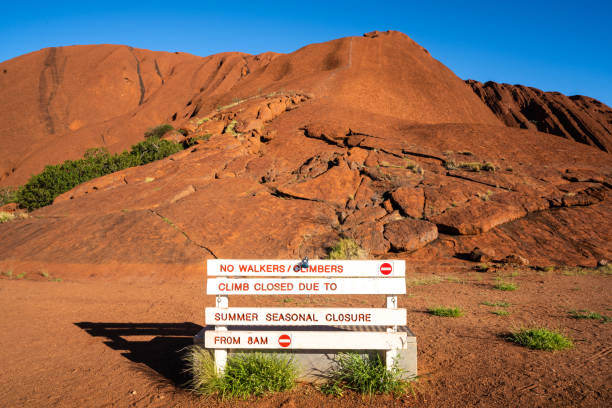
{"points": [[585, 314], [245, 375], [365, 374], [540, 338], [445, 311]]}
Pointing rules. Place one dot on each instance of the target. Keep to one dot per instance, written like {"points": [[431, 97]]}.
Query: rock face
{"points": [[368, 138], [583, 119]]}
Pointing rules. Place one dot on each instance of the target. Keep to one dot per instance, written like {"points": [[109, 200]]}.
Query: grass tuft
{"points": [[366, 375], [500, 312], [347, 248], [500, 303], [585, 314], [245, 375], [540, 339], [445, 311], [505, 286], [6, 217]]}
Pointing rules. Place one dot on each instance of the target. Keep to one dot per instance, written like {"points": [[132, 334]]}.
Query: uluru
{"points": [[367, 139]]}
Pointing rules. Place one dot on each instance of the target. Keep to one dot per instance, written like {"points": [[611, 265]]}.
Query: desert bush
{"points": [[245, 375], [54, 180], [366, 375], [158, 131], [347, 248], [540, 339]]}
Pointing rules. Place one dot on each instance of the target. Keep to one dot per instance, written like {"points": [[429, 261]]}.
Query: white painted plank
{"points": [[317, 268], [305, 340], [297, 316], [311, 286]]}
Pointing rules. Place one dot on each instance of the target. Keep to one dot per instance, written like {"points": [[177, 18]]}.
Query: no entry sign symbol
{"points": [[284, 340], [386, 268]]}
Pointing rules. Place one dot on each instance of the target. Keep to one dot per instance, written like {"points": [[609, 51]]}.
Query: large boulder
{"points": [[409, 235]]}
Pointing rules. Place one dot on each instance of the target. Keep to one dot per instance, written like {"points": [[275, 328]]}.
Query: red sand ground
{"points": [[115, 341]]}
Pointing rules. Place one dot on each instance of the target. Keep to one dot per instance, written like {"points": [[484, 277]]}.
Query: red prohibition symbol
{"points": [[284, 340], [386, 268]]}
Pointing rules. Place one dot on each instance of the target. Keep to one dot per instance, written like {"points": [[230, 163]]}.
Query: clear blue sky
{"points": [[563, 46]]}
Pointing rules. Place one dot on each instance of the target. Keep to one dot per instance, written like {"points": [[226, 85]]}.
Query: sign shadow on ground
{"points": [[162, 353]]}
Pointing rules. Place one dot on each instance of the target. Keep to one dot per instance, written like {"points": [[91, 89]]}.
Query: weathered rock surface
{"points": [[583, 119], [336, 186]]}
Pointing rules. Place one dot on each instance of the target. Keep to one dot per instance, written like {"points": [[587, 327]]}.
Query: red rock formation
{"points": [[362, 137], [583, 119]]}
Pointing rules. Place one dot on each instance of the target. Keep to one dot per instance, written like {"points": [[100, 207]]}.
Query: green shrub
{"points": [[366, 375], [541, 339], [347, 248], [245, 375], [154, 149], [54, 180], [445, 311], [158, 131]]}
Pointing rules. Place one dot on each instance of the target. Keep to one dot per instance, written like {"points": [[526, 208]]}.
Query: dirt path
{"points": [[101, 342]]}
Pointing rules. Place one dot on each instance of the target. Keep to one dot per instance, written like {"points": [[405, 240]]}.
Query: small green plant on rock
{"points": [[231, 128], [445, 311], [366, 375], [347, 248], [482, 267], [245, 375], [540, 338]]}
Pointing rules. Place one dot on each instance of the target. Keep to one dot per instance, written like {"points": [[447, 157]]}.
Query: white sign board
{"points": [[295, 316], [311, 340], [310, 286], [316, 268]]}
